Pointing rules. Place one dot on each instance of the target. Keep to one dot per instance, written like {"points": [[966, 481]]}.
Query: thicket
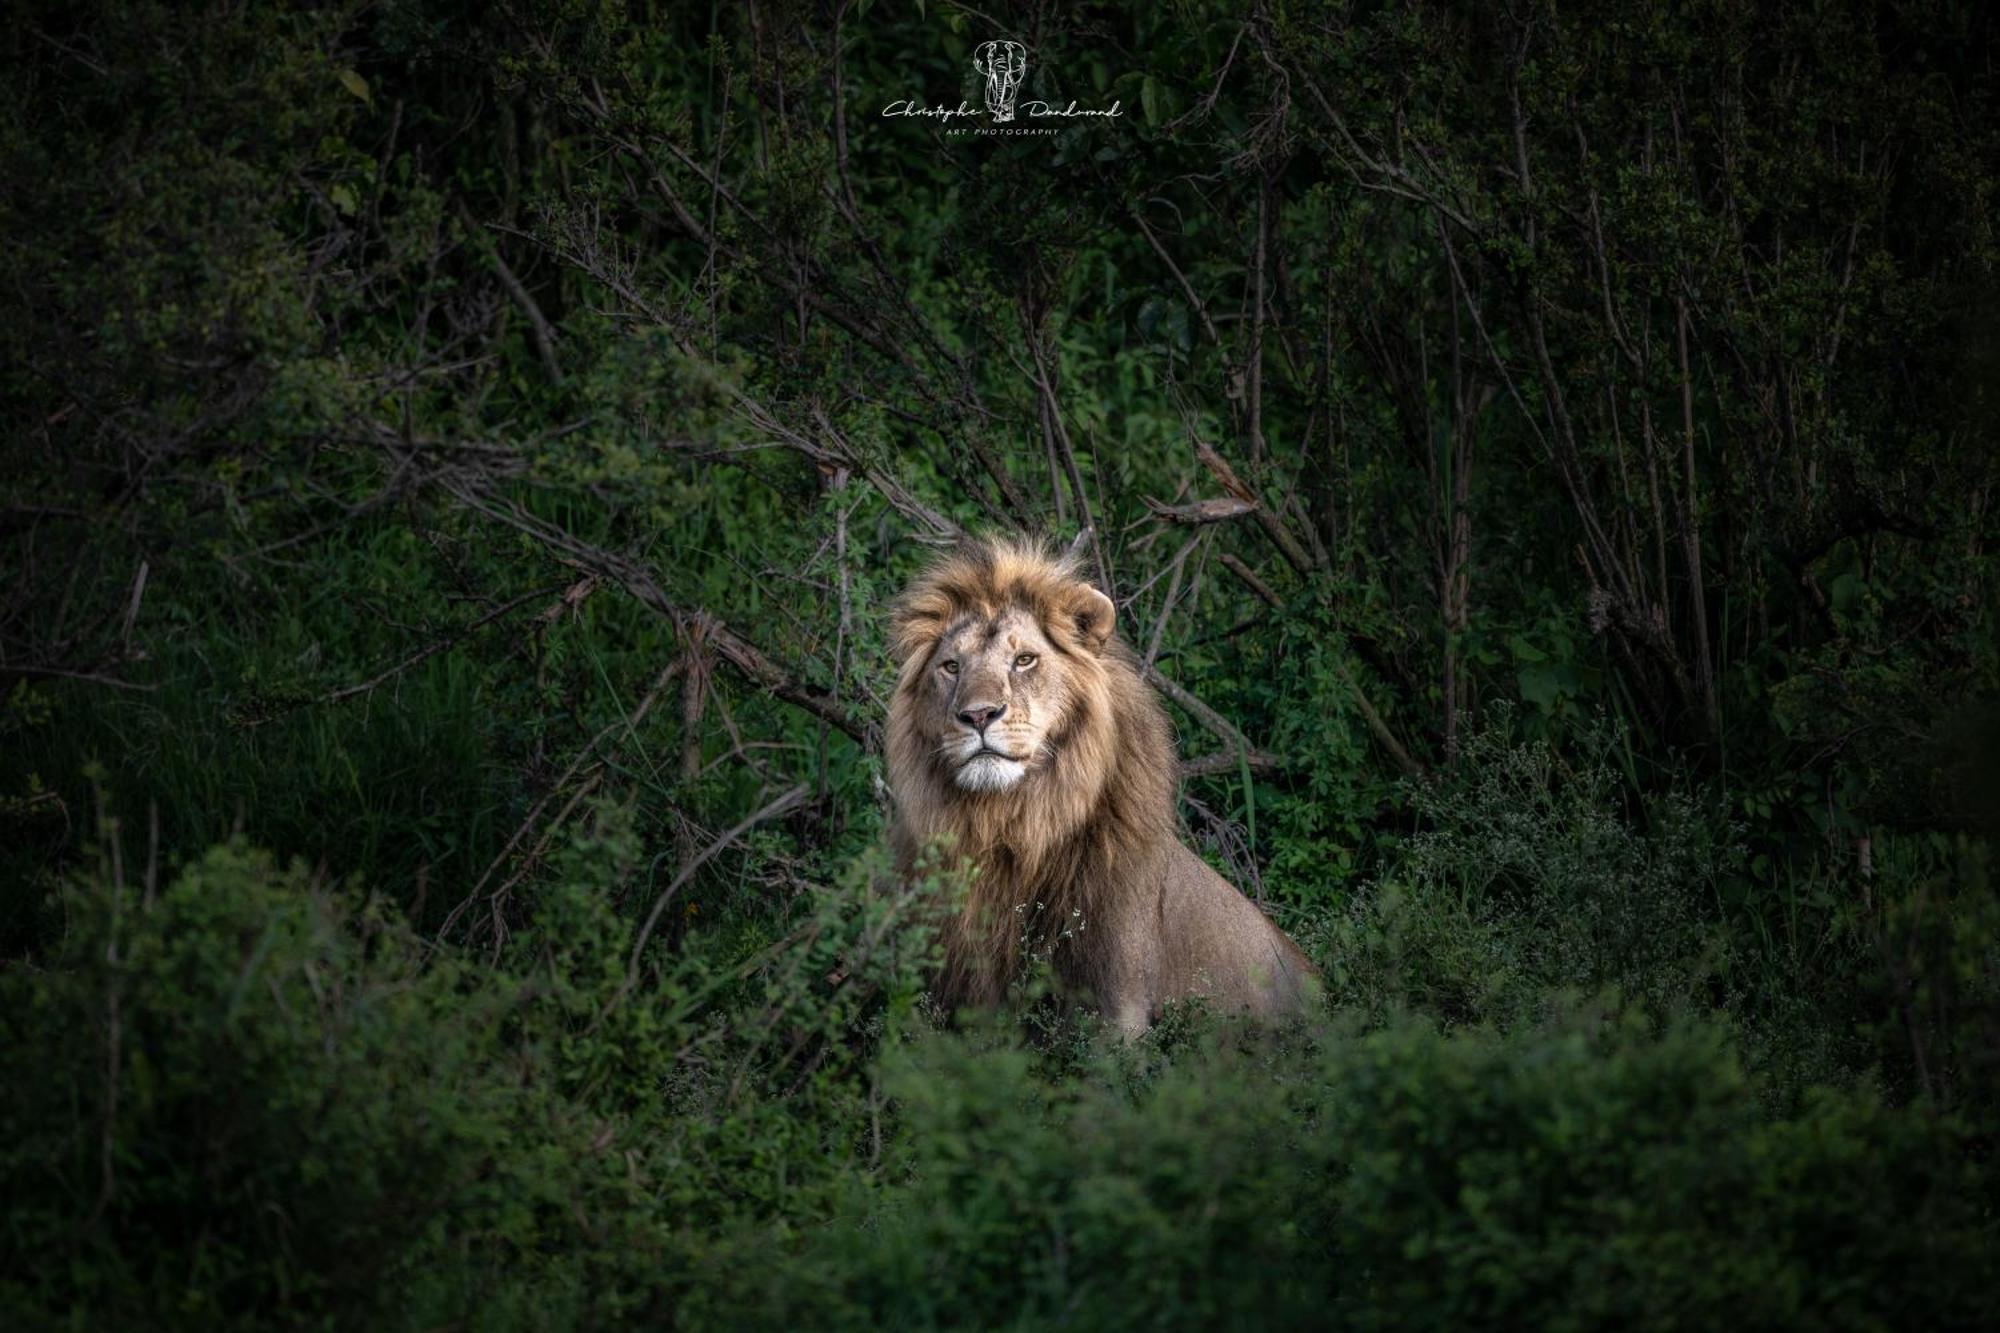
{"points": [[457, 460]]}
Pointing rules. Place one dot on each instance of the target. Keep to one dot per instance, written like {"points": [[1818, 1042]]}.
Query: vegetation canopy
{"points": [[460, 462]]}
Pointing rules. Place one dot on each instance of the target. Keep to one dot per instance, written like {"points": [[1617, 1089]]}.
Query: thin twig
{"points": [[1178, 566], [628, 723], [32, 671], [540, 331], [784, 802], [433, 648], [1061, 437]]}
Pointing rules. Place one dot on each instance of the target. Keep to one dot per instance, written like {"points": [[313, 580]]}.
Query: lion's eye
{"points": [[949, 667], [1025, 660]]}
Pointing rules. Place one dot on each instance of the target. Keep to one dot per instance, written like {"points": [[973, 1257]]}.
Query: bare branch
{"points": [[1222, 727], [629, 724], [32, 671], [1061, 437], [1250, 580], [639, 582], [539, 329], [1187, 288], [1218, 510], [1274, 526], [1231, 761], [455, 637], [1079, 543]]}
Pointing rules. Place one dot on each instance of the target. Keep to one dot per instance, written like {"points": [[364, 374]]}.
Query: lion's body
{"points": [[1023, 743]]}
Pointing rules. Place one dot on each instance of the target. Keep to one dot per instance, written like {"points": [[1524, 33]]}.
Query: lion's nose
{"points": [[979, 715]]}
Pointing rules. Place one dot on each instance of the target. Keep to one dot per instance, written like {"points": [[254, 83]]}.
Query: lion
{"points": [[1024, 745]]}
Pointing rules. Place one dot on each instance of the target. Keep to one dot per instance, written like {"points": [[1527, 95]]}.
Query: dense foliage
{"points": [[457, 459]]}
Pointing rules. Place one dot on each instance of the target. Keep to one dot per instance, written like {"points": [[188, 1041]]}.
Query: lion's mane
{"points": [[1053, 855]]}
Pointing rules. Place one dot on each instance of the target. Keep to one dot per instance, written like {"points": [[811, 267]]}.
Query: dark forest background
{"points": [[456, 461]]}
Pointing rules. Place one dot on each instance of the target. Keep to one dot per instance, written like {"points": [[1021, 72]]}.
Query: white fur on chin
{"points": [[990, 772]]}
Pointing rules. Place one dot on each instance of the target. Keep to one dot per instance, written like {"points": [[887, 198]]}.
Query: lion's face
{"points": [[996, 692], [1003, 673]]}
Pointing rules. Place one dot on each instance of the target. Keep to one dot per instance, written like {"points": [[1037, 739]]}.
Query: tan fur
{"points": [[1080, 857]]}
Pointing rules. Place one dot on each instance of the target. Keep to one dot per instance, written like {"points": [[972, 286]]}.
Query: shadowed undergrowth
{"points": [[246, 1094]]}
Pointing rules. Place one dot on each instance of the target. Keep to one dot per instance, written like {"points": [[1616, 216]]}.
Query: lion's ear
{"points": [[1093, 614], [915, 625]]}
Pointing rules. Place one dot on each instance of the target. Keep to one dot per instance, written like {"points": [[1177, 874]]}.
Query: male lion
{"points": [[1023, 741]]}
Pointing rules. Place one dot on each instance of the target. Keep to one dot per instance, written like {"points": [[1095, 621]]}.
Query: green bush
{"points": [[1584, 1173], [247, 1099], [1592, 1175], [1528, 878]]}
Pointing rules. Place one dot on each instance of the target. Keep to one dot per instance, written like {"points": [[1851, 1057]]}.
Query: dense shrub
{"points": [[1528, 878], [250, 1098], [239, 1098], [245, 1099]]}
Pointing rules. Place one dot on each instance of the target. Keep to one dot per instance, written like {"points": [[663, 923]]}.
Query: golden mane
{"points": [[1055, 857]]}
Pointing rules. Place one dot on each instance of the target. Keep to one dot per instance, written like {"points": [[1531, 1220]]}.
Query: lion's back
{"points": [[1187, 931]]}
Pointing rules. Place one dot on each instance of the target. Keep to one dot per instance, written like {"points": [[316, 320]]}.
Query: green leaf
{"points": [[357, 85], [1148, 319], [1540, 685], [1149, 99]]}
